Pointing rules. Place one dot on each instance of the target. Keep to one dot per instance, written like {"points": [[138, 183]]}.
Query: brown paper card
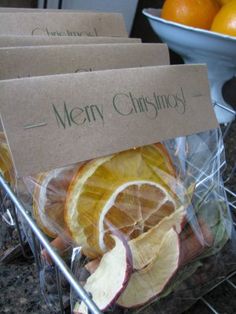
{"points": [[31, 10], [53, 121], [46, 60], [18, 41], [71, 23]]}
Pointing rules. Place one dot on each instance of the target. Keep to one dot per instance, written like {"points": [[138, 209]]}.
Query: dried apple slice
{"points": [[110, 278], [145, 248], [146, 284]]}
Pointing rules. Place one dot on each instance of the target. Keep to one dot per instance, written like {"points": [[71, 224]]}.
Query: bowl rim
{"points": [[148, 14]]}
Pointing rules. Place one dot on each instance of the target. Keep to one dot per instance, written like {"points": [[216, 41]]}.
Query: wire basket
{"points": [[60, 273], [57, 280]]}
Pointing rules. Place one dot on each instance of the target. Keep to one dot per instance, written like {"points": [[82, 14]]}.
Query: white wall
{"points": [[126, 7]]}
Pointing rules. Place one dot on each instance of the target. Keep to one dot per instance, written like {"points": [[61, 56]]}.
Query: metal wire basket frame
{"points": [[39, 238], [39, 241]]}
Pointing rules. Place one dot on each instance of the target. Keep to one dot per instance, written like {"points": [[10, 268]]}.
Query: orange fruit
{"points": [[195, 13], [6, 163], [129, 192], [225, 20]]}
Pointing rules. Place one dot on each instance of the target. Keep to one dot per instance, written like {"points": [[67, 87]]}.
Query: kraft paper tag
{"points": [[21, 41], [47, 60], [32, 10], [71, 23], [54, 121]]}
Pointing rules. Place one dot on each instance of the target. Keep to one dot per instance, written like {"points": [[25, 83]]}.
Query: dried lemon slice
{"points": [[122, 192]]}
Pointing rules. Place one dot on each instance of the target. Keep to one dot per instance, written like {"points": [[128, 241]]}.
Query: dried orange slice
{"points": [[128, 191], [49, 199], [6, 163]]}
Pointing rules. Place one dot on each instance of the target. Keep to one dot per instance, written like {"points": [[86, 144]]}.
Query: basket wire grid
{"points": [[39, 241], [12, 209]]}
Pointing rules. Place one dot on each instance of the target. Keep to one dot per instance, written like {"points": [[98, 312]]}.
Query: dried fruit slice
{"points": [[146, 247], [148, 283], [71, 212], [134, 207], [110, 278], [123, 191], [6, 163], [49, 198]]}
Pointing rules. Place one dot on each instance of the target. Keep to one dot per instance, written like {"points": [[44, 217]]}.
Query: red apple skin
{"points": [[129, 271], [129, 268], [154, 298], [183, 223], [93, 265]]}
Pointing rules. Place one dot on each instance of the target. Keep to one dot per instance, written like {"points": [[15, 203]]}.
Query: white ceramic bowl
{"points": [[201, 46]]}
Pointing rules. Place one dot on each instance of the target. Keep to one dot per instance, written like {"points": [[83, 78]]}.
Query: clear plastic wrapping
{"points": [[150, 227], [7, 171], [6, 164]]}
